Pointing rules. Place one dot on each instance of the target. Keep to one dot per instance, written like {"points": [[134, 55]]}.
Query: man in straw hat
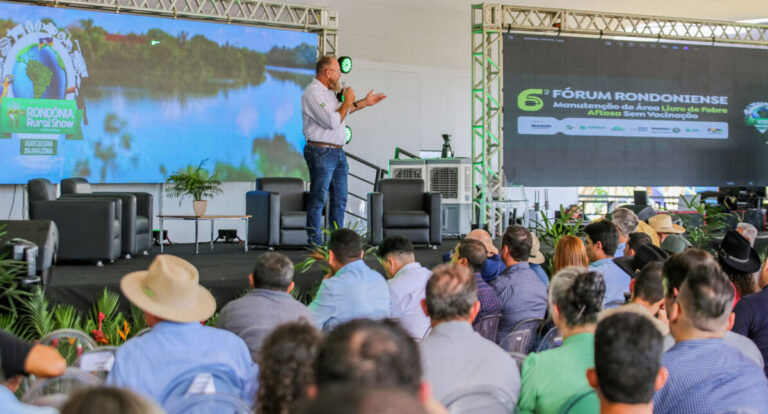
{"points": [[663, 226], [174, 303]]}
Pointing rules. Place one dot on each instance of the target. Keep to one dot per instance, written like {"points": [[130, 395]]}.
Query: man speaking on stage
{"points": [[323, 116]]}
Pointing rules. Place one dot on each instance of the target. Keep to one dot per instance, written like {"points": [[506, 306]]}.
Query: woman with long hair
{"points": [[569, 251]]}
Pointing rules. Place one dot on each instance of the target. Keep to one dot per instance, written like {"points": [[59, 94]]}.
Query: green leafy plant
{"points": [[551, 230], [138, 321], [38, 315], [67, 317], [11, 291], [702, 227], [105, 323], [319, 254], [194, 182], [9, 322]]}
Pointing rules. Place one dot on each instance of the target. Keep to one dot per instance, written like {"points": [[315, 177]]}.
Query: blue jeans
{"points": [[327, 173]]}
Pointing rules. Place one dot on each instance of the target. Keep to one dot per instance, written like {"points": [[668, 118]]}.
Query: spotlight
{"points": [[348, 133], [345, 63]]}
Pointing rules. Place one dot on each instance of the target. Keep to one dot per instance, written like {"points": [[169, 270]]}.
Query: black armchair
{"points": [[279, 212], [400, 206], [89, 229], [137, 213]]}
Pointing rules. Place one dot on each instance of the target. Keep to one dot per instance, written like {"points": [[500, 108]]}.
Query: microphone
{"points": [[340, 94]]}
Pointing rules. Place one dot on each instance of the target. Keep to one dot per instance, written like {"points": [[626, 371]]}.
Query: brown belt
{"points": [[323, 144]]}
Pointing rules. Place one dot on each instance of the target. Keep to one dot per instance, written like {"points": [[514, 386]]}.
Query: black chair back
{"points": [[291, 191], [488, 326], [402, 194], [40, 189], [75, 185]]}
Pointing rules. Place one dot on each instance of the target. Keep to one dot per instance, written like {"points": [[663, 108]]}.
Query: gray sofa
{"points": [[89, 229], [401, 206], [278, 208]]}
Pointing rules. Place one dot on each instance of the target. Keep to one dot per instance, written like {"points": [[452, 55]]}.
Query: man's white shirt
{"points": [[318, 112]]}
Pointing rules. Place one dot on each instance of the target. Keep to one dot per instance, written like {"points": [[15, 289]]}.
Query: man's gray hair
{"points": [[451, 292], [747, 231], [323, 63], [272, 271], [626, 220]]}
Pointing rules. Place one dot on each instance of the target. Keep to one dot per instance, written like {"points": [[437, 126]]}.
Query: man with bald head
{"points": [[493, 265]]}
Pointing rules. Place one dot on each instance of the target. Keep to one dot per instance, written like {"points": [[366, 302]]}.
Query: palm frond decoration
{"points": [[194, 182], [212, 320], [138, 322], [11, 291], [38, 315], [105, 320], [67, 317], [8, 323]]}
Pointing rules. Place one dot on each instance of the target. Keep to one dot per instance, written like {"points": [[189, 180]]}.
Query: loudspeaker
{"points": [[643, 212], [42, 233], [641, 198]]}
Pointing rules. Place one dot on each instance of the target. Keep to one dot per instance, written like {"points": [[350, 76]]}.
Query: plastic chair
{"points": [[223, 377], [488, 326], [518, 341], [102, 366], [519, 359], [54, 392], [551, 340], [70, 343], [479, 398], [209, 403]]}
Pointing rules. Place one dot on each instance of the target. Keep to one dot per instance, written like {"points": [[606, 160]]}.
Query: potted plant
{"points": [[195, 182]]}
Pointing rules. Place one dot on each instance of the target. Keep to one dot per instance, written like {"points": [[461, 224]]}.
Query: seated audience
{"points": [[174, 304], [628, 352], [285, 372], [705, 374], [663, 226], [267, 305], [407, 279], [634, 242], [602, 237], [748, 232], [675, 243], [647, 297], [378, 354], [352, 290], [552, 377], [520, 291], [110, 400], [472, 254], [364, 400], [626, 222], [454, 355], [739, 261], [752, 321], [493, 266], [569, 251], [645, 254], [675, 270], [19, 358], [536, 258]]}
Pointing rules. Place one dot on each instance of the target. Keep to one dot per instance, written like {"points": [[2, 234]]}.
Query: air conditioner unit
{"points": [[409, 168], [451, 177]]}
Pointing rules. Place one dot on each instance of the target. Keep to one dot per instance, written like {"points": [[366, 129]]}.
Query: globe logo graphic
{"points": [[39, 72]]}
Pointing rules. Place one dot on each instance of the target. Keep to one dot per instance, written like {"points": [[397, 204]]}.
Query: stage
{"points": [[224, 272]]}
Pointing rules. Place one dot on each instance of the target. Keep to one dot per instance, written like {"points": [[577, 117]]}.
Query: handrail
{"points": [[399, 151], [380, 173]]}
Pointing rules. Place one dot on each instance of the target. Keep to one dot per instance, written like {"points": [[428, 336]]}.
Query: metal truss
{"points": [[321, 20], [491, 21]]}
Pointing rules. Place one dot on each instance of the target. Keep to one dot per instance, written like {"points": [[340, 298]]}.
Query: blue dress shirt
{"points": [[355, 291], [752, 321], [707, 376], [11, 405], [540, 273], [616, 280], [620, 250], [492, 268], [406, 290], [147, 364], [522, 296]]}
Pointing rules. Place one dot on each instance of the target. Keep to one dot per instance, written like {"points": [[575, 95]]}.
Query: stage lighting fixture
{"points": [[345, 63], [348, 133]]}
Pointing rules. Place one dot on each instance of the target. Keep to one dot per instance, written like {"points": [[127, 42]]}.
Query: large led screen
{"points": [[120, 98], [587, 112]]}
